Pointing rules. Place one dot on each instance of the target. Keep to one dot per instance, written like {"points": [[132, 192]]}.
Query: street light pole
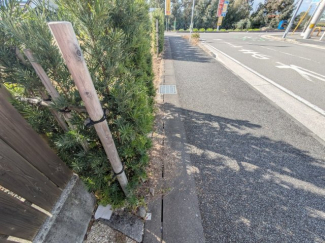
{"points": [[292, 19], [315, 19], [191, 27]]}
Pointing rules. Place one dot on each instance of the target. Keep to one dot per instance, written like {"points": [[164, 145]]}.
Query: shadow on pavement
{"points": [[252, 188], [189, 53]]}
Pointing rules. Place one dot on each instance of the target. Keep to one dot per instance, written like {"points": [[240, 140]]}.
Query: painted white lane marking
{"points": [[307, 103], [216, 39], [254, 54], [289, 54], [233, 45], [305, 73]]}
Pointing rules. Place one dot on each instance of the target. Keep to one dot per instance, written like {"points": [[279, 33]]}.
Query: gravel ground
{"points": [[101, 233]]}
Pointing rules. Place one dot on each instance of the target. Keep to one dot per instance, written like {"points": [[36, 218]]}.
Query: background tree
{"points": [[238, 10], [277, 10], [257, 18]]}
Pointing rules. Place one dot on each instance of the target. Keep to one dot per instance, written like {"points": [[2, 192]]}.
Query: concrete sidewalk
{"points": [[175, 216], [259, 174]]}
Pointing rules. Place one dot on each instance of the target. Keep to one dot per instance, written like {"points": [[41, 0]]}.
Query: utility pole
{"points": [[307, 23], [292, 19], [68, 44], [315, 19], [191, 26]]}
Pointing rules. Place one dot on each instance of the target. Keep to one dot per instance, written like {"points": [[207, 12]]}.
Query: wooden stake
{"points": [[71, 52], [51, 90], [157, 36]]}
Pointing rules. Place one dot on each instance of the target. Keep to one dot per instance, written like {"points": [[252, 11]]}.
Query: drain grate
{"points": [[167, 89]]}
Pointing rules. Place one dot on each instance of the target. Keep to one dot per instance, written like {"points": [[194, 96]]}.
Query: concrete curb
{"points": [[70, 216], [294, 41]]}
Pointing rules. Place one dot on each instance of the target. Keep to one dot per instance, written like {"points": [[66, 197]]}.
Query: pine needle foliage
{"points": [[158, 14], [115, 39]]}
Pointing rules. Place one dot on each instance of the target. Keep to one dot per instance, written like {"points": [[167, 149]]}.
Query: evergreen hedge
{"points": [[158, 14], [113, 35]]}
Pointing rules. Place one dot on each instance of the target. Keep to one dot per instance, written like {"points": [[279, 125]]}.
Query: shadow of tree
{"points": [[252, 188], [188, 53]]}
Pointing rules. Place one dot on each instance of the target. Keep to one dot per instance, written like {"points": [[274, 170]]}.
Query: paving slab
{"points": [[71, 215], [128, 224]]}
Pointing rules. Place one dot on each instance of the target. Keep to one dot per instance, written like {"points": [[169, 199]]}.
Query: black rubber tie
{"points": [[116, 174], [91, 122], [65, 110]]}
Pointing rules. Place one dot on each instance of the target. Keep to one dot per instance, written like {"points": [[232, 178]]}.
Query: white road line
{"points": [[314, 107], [289, 54], [233, 45], [216, 39]]}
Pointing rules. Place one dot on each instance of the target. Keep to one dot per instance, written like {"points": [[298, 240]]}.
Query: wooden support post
{"points": [[51, 90], [157, 36], [71, 52]]}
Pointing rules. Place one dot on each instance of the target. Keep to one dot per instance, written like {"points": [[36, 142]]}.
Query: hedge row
{"points": [[113, 35], [159, 15]]}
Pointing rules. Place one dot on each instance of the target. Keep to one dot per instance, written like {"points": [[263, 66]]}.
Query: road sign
{"points": [[167, 7]]}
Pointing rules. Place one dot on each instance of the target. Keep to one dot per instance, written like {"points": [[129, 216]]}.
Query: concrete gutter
{"points": [[180, 217]]}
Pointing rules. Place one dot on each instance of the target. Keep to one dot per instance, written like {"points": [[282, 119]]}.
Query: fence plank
{"points": [[17, 175], [17, 133], [6, 241], [17, 219]]}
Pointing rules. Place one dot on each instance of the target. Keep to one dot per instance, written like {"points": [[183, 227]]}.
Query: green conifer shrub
{"points": [[158, 14], [115, 39]]}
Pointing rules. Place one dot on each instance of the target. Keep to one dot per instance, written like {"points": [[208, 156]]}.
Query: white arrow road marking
{"points": [[254, 54], [305, 73]]}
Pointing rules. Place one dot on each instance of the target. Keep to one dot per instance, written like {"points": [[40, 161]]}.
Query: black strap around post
{"points": [[65, 110], [90, 122], [116, 174]]}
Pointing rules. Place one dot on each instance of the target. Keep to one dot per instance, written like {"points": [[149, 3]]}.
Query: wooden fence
{"points": [[29, 169]]}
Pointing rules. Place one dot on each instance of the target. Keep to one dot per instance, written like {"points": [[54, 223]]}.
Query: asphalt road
{"points": [[298, 68], [260, 175]]}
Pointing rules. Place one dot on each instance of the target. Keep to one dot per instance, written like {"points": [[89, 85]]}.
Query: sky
{"points": [[304, 6]]}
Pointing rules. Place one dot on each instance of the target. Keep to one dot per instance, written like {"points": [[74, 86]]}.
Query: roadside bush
{"points": [[158, 14], [181, 30], [202, 30], [223, 30], [113, 35], [215, 29], [195, 30], [209, 29], [196, 36]]}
